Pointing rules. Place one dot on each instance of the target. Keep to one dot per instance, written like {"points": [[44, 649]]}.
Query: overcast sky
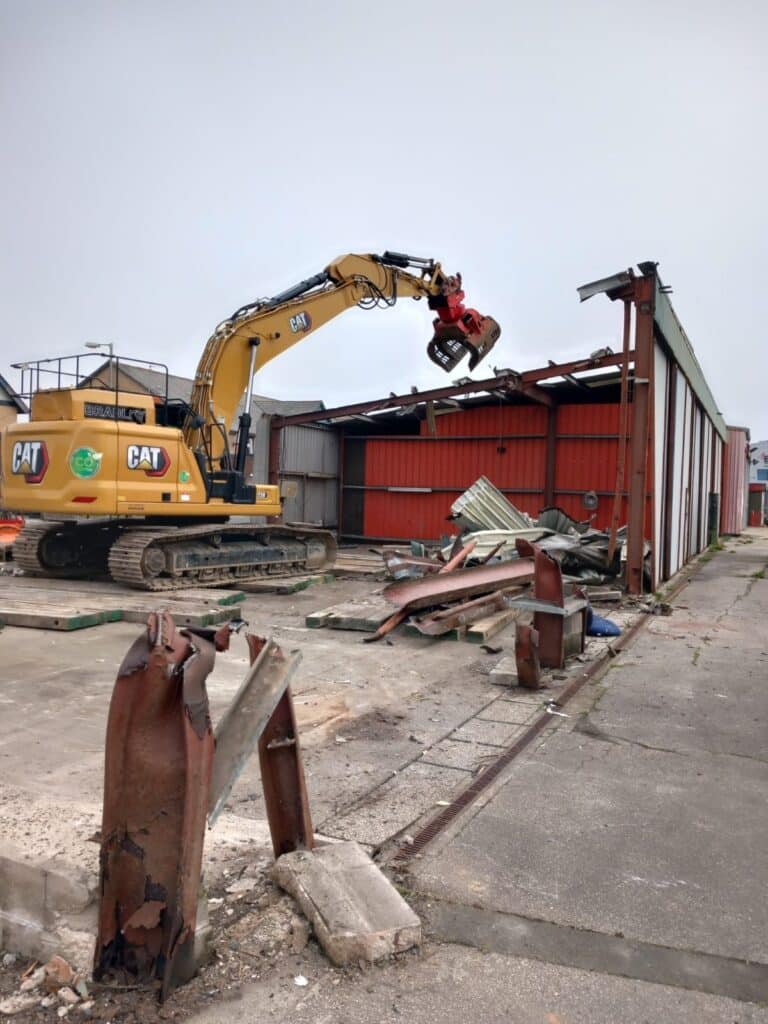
{"points": [[165, 162]]}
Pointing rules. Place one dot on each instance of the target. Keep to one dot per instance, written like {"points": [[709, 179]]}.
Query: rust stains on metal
{"points": [[458, 559], [558, 619], [461, 583], [282, 768], [527, 656], [159, 752]]}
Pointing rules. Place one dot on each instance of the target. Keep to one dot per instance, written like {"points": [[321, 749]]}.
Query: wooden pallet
{"points": [[354, 563], [62, 616]]}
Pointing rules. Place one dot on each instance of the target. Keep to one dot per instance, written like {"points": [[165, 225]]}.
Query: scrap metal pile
{"points": [[491, 527]]}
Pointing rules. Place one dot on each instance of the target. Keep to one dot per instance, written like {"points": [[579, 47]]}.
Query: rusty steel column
{"points": [[159, 753], [645, 299], [282, 772], [621, 451], [549, 474]]}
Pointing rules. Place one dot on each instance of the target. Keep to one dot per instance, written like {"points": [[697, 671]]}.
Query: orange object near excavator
{"points": [[142, 488]]}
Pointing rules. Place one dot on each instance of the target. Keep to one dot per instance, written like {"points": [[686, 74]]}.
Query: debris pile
{"points": [[492, 525], [54, 984]]}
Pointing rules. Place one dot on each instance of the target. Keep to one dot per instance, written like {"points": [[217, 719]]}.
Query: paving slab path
{"points": [[633, 839]]}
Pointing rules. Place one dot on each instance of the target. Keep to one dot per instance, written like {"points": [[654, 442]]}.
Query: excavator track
{"points": [[215, 556], [170, 558], [63, 550]]}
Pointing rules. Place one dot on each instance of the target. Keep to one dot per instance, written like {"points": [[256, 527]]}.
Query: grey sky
{"points": [[165, 162]]}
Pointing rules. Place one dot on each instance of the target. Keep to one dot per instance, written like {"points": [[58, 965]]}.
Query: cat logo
{"points": [[30, 460], [300, 323], [151, 458]]}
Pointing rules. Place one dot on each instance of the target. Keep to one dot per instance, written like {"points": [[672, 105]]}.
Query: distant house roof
{"points": [[150, 382], [9, 397], [278, 407], [153, 382]]}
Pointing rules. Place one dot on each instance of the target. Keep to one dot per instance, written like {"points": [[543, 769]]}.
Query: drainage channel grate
{"points": [[438, 824]]}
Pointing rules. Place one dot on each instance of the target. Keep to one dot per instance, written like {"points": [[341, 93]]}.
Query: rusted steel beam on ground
{"points": [[460, 584], [509, 382], [159, 752], [441, 622]]}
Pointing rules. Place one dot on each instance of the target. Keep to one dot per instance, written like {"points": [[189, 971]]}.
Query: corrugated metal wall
{"points": [[309, 459], [733, 516], [309, 462], [403, 487], [686, 463]]}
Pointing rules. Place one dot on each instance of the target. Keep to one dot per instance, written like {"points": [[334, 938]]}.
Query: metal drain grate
{"points": [[439, 823]]}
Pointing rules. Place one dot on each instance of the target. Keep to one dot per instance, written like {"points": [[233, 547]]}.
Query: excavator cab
{"points": [[459, 331]]}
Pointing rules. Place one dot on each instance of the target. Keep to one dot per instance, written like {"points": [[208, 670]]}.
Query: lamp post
{"points": [[108, 345]]}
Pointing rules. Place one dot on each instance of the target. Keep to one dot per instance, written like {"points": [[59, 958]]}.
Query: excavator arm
{"points": [[264, 329]]}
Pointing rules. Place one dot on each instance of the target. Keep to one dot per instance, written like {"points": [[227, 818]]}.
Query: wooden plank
{"points": [[121, 608], [183, 615], [91, 588], [365, 616], [285, 584], [477, 633], [317, 620], [51, 617], [481, 631]]}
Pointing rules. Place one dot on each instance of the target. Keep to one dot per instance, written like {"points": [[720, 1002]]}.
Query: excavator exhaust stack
{"points": [[459, 331]]}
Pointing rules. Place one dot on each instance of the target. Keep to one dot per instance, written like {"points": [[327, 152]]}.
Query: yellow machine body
{"points": [[89, 452]]}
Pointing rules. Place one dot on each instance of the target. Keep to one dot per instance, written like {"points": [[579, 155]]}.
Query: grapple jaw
{"points": [[451, 342], [459, 331]]}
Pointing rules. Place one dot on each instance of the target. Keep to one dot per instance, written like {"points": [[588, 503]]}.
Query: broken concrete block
{"points": [[46, 907], [504, 673], [355, 911]]}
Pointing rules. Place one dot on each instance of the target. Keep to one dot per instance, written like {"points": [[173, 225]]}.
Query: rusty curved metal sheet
{"points": [[159, 753]]}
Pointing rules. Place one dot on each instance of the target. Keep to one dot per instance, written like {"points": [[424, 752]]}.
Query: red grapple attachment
{"points": [[459, 331]]}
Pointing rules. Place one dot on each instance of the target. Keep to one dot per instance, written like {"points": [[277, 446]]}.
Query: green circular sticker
{"points": [[184, 476], [85, 462]]}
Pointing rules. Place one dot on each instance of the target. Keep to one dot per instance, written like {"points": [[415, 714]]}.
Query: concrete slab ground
{"points": [[641, 818], [367, 714], [452, 984], [613, 872]]}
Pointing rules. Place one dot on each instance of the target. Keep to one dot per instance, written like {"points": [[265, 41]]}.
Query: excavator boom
{"points": [[141, 489]]}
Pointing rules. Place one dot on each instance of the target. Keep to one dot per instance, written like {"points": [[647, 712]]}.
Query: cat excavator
{"points": [[143, 488]]}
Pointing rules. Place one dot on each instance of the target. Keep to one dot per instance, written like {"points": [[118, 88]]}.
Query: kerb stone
{"points": [[355, 911]]}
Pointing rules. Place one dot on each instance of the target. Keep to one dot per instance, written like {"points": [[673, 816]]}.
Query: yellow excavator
{"points": [[142, 488]]}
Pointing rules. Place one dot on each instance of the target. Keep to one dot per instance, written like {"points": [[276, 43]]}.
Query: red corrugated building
{"points": [[638, 430]]}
